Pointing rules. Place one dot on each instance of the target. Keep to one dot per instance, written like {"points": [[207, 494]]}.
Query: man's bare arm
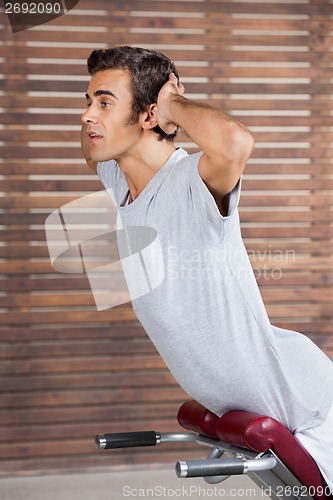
{"points": [[225, 142]]}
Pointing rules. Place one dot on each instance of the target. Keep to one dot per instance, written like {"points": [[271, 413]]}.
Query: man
{"points": [[206, 318]]}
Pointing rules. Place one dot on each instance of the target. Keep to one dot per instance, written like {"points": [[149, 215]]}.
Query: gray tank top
{"points": [[207, 318]]}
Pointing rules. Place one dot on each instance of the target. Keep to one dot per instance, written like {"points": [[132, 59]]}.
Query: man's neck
{"points": [[142, 165]]}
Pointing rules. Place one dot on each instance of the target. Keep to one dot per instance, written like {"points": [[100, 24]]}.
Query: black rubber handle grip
{"points": [[127, 440], [210, 467]]}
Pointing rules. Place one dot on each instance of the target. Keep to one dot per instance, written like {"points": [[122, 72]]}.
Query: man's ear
{"points": [[150, 117]]}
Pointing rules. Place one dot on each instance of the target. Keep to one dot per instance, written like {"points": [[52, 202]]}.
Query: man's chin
{"points": [[100, 158]]}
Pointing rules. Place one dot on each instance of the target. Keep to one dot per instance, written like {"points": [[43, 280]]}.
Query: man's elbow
{"points": [[232, 148], [242, 145]]}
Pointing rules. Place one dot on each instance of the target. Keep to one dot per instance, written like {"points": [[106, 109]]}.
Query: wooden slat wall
{"points": [[68, 371]]}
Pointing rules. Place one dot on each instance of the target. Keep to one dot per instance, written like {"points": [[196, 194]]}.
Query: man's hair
{"points": [[149, 71]]}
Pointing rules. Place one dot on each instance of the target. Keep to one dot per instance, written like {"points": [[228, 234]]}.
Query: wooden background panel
{"points": [[69, 371]]}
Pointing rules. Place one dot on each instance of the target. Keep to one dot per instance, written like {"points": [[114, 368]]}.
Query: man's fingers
{"points": [[169, 128], [180, 87]]}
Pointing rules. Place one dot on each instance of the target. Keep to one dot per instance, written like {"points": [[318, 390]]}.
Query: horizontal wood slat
{"points": [[69, 371], [106, 413], [212, 55], [83, 365]]}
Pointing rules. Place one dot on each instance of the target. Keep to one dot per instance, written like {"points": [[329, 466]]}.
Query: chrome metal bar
{"points": [[217, 467], [215, 453]]}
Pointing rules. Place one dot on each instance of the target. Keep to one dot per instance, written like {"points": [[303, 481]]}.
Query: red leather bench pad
{"points": [[257, 433]]}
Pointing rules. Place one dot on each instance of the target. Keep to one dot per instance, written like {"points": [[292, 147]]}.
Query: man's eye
{"points": [[105, 104]]}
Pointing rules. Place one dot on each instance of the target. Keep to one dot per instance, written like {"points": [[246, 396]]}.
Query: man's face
{"points": [[107, 119]]}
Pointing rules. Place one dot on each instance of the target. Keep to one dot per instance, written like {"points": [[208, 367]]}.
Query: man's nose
{"points": [[88, 117]]}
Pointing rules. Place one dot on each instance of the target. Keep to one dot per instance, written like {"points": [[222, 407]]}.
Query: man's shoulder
{"points": [[183, 162]]}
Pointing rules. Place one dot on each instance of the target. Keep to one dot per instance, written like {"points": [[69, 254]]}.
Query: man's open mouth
{"points": [[93, 136]]}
